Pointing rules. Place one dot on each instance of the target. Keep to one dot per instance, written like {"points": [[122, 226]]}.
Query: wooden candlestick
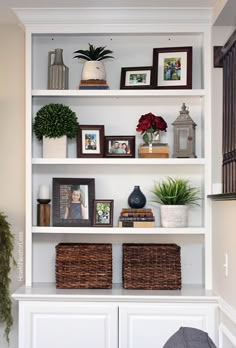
{"points": [[43, 212]]}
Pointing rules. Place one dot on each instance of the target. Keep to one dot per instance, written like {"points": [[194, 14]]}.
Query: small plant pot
{"points": [[174, 215], [55, 147], [94, 70]]}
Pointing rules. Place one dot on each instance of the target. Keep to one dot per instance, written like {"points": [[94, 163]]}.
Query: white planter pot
{"points": [[94, 70], [174, 215], [55, 147]]}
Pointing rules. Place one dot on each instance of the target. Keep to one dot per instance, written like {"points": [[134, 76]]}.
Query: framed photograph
{"points": [[120, 146], [90, 141], [103, 213], [136, 78], [72, 203], [172, 68]]}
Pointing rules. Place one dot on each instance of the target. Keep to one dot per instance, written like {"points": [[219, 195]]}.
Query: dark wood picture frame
{"points": [[172, 68], [115, 146], [94, 134], [136, 78], [67, 213], [103, 212]]}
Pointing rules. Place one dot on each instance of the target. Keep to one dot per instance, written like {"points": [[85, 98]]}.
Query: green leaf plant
{"points": [[175, 191], [6, 259], [55, 121], [94, 53]]}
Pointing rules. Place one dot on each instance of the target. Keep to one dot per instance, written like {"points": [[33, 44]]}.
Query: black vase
{"points": [[136, 199]]}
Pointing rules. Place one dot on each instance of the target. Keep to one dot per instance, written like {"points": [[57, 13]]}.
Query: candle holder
{"points": [[43, 212]]}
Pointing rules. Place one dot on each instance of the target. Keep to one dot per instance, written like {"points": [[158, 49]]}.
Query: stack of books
{"points": [[130, 217], [93, 84], [159, 150]]}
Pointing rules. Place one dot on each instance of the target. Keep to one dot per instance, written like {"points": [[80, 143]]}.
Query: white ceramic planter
{"points": [[94, 70], [55, 147], [174, 215]]}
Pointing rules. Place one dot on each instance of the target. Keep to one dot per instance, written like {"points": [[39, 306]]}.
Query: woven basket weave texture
{"points": [[151, 266], [83, 266]]}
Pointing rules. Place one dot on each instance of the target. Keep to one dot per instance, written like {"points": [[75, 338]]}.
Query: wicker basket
{"points": [[83, 266], [151, 266]]}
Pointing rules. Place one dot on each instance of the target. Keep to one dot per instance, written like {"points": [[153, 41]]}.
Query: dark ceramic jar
{"points": [[136, 199]]}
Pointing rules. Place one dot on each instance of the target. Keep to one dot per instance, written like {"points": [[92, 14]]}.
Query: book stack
{"points": [[93, 84], [160, 150], [130, 217]]}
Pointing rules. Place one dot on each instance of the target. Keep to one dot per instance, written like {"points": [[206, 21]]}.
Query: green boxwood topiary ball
{"points": [[55, 121]]}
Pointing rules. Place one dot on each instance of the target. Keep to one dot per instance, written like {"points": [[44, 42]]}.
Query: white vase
{"points": [[94, 70], [174, 215], [55, 147]]}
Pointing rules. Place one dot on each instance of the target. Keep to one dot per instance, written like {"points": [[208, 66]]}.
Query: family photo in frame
{"points": [[136, 78], [90, 141], [73, 201], [120, 146]]}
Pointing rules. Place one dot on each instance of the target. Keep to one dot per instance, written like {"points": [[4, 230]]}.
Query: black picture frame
{"points": [[103, 212], [136, 77], [112, 150], [80, 213], [172, 68], [94, 133]]}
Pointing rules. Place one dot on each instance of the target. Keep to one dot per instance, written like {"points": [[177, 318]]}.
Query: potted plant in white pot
{"points": [[6, 260], [175, 196], [94, 68], [53, 124]]}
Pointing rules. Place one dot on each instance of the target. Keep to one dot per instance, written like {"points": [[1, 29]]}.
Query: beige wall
{"points": [[12, 158]]}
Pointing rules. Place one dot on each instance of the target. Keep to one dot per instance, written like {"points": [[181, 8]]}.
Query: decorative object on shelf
{"points": [[136, 78], [103, 213], [120, 146], [172, 68], [43, 208], [136, 198], [184, 135], [58, 72], [94, 68], [90, 141], [88, 266], [6, 259], [140, 217], [150, 126], [93, 84], [54, 123], [73, 201], [175, 195], [151, 266]]}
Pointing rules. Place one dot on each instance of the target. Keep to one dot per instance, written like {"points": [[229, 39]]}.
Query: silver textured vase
{"points": [[58, 72]]}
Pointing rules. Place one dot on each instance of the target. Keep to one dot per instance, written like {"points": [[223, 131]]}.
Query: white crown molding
{"points": [[113, 16], [217, 9]]}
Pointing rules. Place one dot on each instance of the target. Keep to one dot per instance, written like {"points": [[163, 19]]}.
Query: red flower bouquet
{"points": [[149, 125]]}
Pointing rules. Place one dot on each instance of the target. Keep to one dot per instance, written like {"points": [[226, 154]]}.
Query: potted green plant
{"points": [[6, 259], [175, 196], [94, 68], [53, 124]]}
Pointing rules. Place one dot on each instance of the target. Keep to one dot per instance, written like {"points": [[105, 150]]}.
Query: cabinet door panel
{"points": [[68, 325], [151, 325]]}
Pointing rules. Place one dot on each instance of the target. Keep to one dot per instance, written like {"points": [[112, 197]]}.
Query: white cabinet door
{"points": [[150, 325], [68, 325]]}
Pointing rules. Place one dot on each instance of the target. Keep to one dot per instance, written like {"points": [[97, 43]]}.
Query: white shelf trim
{"points": [[109, 161], [119, 231], [118, 93]]}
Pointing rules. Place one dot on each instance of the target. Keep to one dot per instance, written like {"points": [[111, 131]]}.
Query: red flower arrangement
{"points": [[150, 124]]}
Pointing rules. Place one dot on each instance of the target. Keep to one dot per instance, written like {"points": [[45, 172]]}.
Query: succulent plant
{"points": [[94, 53], [54, 121]]}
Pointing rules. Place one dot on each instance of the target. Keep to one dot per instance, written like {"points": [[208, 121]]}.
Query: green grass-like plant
{"points": [[94, 53], [54, 121], [6, 259], [175, 191]]}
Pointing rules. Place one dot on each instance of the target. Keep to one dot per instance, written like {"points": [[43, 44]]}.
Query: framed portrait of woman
{"points": [[72, 203]]}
